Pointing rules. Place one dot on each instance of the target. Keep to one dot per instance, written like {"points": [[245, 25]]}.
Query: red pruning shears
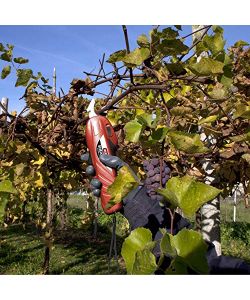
{"points": [[101, 139]]}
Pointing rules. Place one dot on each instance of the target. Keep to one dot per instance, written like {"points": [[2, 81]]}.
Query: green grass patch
{"points": [[242, 213], [73, 252], [235, 240]]}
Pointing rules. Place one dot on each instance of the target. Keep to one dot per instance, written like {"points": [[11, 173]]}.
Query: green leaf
{"points": [[218, 93], [124, 183], [241, 137], [7, 56], [138, 240], [10, 47], [169, 33], [4, 197], [133, 131], [175, 68], [145, 263], [188, 194], [143, 41], [21, 60], [178, 266], [155, 37], [242, 111], [137, 57], [227, 78], [241, 43], [187, 142], [117, 56], [5, 72], [209, 119], [178, 27], [214, 43], [207, 66], [217, 29], [172, 47], [145, 119], [2, 47], [7, 187], [159, 134], [191, 247], [181, 110], [23, 77], [167, 246]]}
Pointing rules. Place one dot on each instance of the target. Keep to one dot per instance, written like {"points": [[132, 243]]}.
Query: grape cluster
{"points": [[154, 177]]}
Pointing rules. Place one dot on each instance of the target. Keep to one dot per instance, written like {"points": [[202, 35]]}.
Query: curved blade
{"points": [[91, 108]]}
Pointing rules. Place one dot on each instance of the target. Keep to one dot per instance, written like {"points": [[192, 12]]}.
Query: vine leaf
{"points": [[209, 119], [218, 93], [133, 131], [146, 119], [191, 247], [40, 161], [2, 47], [117, 56], [23, 77], [5, 72], [242, 111], [137, 57], [172, 47], [7, 56], [38, 180], [207, 66], [145, 263], [159, 133], [143, 41], [125, 182], [241, 43], [7, 187], [167, 245], [169, 33], [132, 251], [188, 194], [21, 60], [178, 266], [214, 43], [187, 142]]}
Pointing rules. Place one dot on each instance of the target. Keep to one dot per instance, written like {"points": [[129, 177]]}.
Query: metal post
{"points": [[54, 81], [235, 202]]}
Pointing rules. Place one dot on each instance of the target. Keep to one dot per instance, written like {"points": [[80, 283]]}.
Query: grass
{"points": [[242, 213], [74, 252], [235, 239]]}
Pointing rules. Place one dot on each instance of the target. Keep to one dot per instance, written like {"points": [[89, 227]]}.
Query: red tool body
{"points": [[101, 139]]}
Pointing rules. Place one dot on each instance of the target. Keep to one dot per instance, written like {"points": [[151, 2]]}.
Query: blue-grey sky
{"points": [[74, 49]]}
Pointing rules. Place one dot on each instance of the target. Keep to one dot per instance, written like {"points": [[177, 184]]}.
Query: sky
{"points": [[74, 49]]}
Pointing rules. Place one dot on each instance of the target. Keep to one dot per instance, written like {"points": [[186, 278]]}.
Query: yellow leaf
{"points": [[125, 182], [43, 225], [20, 148], [40, 161], [39, 181], [7, 164]]}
